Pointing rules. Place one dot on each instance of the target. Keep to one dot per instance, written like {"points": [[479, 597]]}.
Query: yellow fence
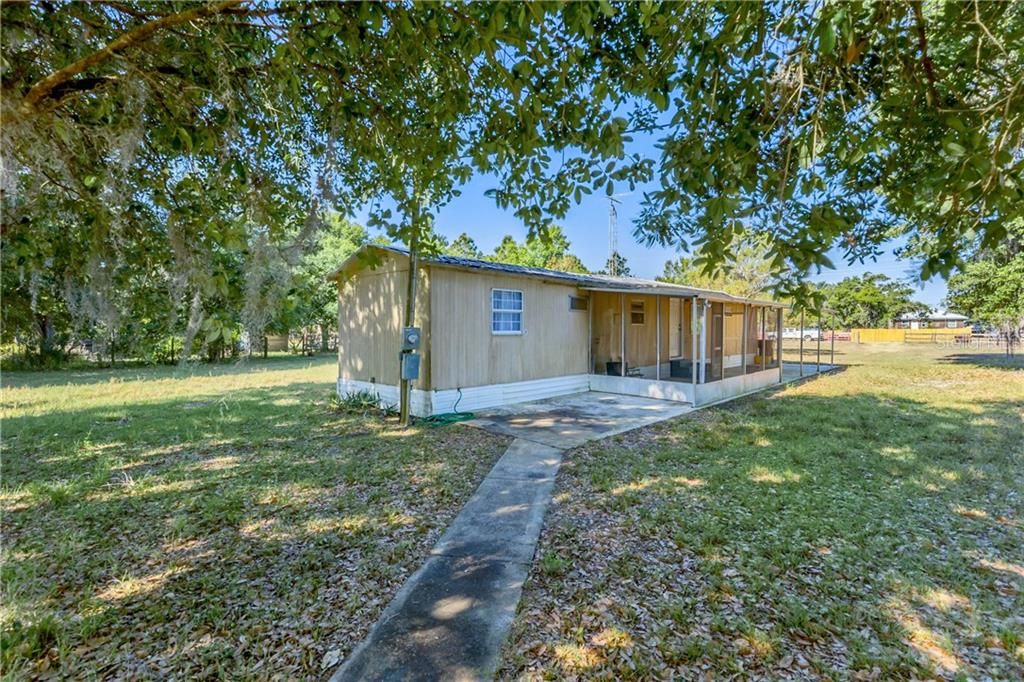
{"points": [[937, 335]]}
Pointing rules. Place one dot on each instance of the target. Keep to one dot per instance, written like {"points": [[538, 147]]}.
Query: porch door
{"points": [[717, 341]]}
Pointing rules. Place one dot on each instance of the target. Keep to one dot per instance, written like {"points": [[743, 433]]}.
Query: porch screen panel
{"points": [[641, 336], [686, 350], [753, 332], [606, 337], [717, 342], [675, 328], [773, 337], [733, 348]]}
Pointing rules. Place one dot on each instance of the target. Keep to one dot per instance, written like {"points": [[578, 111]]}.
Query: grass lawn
{"points": [[864, 525], [223, 522]]}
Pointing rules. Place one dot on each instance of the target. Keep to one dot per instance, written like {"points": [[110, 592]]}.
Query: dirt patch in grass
{"points": [[866, 525], [219, 523]]}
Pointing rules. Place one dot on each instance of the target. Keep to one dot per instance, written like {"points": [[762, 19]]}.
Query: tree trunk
{"points": [[194, 320], [45, 324], [324, 336]]}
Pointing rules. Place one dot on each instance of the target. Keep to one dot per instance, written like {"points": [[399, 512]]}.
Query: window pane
{"points": [[506, 321], [504, 299], [636, 312]]}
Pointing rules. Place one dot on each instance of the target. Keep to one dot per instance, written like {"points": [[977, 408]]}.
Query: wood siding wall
{"points": [[641, 339], [371, 312], [465, 353]]}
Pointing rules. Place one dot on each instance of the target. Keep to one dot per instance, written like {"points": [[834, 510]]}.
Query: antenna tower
{"points": [[613, 236]]}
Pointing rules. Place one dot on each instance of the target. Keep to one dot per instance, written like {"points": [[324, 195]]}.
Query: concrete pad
{"points": [[791, 370], [448, 622], [568, 421]]}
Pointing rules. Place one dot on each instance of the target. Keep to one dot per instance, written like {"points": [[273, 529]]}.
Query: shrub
{"points": [[361, 402]]}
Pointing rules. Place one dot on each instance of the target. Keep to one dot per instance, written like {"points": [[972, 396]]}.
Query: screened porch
{"points": [[663, 342]]}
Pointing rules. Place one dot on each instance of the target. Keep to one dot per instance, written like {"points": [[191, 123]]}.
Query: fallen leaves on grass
{"points": [[859, 546], [244, 536]]}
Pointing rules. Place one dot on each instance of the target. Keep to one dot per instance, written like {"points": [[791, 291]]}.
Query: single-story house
{"points": [[936, 319], [494, 334]]}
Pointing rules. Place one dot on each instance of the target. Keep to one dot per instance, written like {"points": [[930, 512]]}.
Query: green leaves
{"points": [[817, 151], [827, 37], [815, 128], [868, 301], [990, 287], [954, 149]]}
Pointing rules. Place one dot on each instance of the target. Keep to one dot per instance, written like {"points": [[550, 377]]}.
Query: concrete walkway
{"points": [[450, 619]]}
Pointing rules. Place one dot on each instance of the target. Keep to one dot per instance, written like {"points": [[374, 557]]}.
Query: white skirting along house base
{"points": [[427, 403]]}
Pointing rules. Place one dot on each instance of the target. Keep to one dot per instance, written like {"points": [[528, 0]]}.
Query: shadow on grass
{"points": [[194, 535], [994, 360], [855, 531]]}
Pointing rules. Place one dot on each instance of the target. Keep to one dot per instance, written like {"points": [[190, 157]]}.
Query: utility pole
{"points": [[405, 388]]}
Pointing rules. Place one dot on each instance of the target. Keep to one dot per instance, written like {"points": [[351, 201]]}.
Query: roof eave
{"points": [[359, 257], [681, 292]]}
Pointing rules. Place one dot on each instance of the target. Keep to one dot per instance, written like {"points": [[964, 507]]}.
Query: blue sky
{"points": [[586, 225]]}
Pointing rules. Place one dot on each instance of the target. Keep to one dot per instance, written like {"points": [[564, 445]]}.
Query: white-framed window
{"points": [[506, 311], [637, 312], [951, 324]]}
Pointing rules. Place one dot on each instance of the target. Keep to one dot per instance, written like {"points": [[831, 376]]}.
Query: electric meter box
{"points": [[410, 366], [411, 337]]}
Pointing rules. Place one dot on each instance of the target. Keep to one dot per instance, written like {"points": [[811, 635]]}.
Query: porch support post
{"points": [[832, 339], [703, 343], [819, 343], [657, 345], [778, 334], [622, 334], [764, 339], [693, 345], [743, 340], [801, 342]]}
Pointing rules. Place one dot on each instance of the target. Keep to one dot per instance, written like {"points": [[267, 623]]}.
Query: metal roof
{"points": [[590, 282], [932, 315]]}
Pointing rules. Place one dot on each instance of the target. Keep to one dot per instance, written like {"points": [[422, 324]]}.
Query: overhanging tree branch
{"points": [[53, 83], [926, 60]]}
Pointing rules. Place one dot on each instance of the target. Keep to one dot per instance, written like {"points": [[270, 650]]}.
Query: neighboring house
{"points": [[936, 319], [277, 342], [495, 334]]}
